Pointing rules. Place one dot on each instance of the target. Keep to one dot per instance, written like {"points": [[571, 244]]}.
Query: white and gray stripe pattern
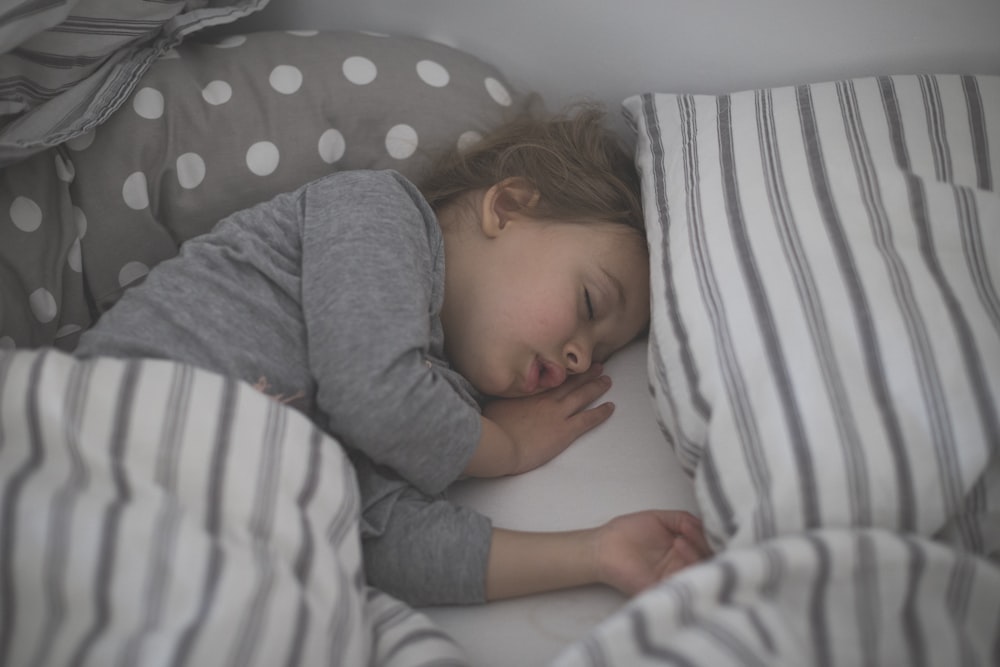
{"points": [[66, 66], [829, 598], [156, 514], [825, 348]]}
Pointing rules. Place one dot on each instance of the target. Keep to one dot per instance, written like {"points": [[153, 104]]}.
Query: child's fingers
{"points": [[585, 420], [682, 523], [696, 535], [682, 554], [691, 527], [574, 382], [586, 393], [678, 521]]}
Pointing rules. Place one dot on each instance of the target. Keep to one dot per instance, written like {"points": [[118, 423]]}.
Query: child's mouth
{"points": [[543, 375]]}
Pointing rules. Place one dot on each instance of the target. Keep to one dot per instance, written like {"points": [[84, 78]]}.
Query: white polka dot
{"points": [[7, 343], [132, 272], [331, 146], [433, 74], [75, 258], [497, 91], [231, 42], [81, 142], [286, 79], [217, 92], [303, 33], [190, 170], [67, 330], [468, 139], [65, 169], [43, 305], [135, 192], [401, 141], [262, 158], [80, 218], [148, 103], [360, 71], [25, 214]]}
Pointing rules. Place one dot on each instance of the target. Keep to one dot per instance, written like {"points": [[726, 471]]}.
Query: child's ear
{"points": [[506, 201]]}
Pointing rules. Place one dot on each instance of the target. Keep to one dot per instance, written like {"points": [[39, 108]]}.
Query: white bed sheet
{"points": [[622, 466]]}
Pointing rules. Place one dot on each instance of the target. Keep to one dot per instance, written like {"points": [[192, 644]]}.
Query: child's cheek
{"points": [[552, 322]]}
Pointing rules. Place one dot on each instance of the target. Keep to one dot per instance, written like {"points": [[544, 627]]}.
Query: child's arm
{"points": [[629, 553], [520, 434]]}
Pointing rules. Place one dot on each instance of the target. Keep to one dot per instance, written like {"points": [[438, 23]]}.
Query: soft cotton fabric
{"points": [[825, 337], [156, 513], [83, 220], [327, 299]]}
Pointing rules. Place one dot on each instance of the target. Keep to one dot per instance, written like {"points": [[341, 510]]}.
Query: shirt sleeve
{"points": [[429, 551], [368, 295]]}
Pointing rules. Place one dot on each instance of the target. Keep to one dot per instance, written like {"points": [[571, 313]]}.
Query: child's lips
{"points": [[543, 375]]}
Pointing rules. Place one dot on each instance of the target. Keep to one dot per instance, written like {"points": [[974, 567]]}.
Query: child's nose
{"points": [[578, 357]]}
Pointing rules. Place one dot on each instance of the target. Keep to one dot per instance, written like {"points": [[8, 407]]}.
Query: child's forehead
{"points": [[615, 249], [611, 243], [617, 238]]}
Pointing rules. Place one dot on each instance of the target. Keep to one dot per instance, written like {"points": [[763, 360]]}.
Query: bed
{"points": [[820, 382]]}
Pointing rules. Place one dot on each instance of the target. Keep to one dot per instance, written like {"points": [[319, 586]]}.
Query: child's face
{"points": [[543, 300]]}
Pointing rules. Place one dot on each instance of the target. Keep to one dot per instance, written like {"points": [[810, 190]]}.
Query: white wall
{"points": [[609, 49]]}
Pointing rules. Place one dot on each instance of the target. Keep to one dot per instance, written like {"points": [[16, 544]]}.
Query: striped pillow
{"points": [[825, 340]]}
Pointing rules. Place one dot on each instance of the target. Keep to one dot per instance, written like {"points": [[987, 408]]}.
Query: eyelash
{"points": [[590, 306]]}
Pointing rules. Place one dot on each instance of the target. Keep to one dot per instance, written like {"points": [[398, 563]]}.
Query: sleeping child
{"points": [[453, 330]]}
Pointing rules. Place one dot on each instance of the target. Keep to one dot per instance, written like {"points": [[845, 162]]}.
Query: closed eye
{"points": [[590, 306]]}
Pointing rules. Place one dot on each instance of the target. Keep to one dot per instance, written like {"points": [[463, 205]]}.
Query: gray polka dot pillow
{"points": [[215, 127]]}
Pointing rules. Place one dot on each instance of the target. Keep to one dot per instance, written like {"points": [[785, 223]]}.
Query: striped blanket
{"points": [[155, 514], [827, 598]]}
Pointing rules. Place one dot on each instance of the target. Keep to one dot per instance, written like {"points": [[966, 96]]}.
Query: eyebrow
{"points": [[617, 285]]}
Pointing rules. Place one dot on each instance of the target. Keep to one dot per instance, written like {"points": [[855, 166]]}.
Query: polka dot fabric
{"points": [[42, 299], [216, 127]]}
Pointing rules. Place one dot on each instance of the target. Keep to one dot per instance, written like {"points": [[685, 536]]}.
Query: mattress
{"points": [[622, 466]]}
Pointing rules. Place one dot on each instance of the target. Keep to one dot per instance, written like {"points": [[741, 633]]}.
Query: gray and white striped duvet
{"points": [[831, 598], [825, 359], [154, 514]]}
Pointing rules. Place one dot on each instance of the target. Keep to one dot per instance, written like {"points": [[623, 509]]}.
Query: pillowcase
{"points": [[825, 336], [43, 300], [65, 66], [213, 128]]}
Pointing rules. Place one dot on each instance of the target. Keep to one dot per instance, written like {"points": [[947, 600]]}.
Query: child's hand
{"points": [[635, 551], [543, 425]]}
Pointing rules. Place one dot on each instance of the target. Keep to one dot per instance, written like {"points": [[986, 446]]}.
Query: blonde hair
{"points": [[580, 168]]}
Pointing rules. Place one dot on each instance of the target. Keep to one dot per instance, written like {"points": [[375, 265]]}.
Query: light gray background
{"points": [[608, 49]]}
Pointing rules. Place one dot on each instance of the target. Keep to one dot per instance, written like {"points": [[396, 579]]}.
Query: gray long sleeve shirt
{"points": [[329, 298]]}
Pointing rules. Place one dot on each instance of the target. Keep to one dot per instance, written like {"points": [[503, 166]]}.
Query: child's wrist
{"points": [[514, 455], [496, 455], [602, 558], [591, 550]]}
